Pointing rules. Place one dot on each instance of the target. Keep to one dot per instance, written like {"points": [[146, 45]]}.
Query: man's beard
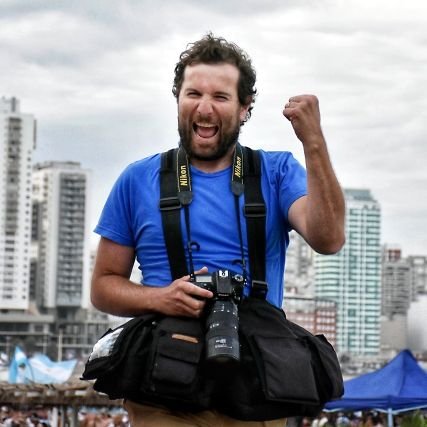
{"points": [[226, 141]]}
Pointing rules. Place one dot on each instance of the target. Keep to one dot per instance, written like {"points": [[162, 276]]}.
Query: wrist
{"points": [[314, 144], [150, 298]]}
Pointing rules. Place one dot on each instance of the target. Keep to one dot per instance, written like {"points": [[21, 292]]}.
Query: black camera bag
{"points": [[284, 370]]}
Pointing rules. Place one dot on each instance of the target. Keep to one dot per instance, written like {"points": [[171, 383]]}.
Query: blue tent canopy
{"points": [[401, 385]]}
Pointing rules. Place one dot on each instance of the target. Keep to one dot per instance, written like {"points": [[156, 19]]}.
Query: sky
{"points": [[97, 76]]}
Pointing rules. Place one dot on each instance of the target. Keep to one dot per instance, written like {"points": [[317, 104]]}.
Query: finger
{"points": [[203, 270], [287, 112], [187, 309], [197, 291], [192, 306], [299, 98], [192, 303], [290, 106]]}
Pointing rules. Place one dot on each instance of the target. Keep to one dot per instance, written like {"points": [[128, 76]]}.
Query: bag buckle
{"points": [[259, 289], [169, 203], [254, 210]]}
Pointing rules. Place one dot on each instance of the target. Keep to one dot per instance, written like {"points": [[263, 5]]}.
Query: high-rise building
{"points": [[316, 315], [352, 278], [395, 283], [395, 298], [418, 275], [44, 246], [299, 272], [60, 238], [17, 142]]}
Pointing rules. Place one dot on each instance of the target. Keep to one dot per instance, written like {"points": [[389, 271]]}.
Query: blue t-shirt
{"points": [[131, 217]]}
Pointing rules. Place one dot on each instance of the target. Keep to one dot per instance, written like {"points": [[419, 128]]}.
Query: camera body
{"points": [[222, 320]]}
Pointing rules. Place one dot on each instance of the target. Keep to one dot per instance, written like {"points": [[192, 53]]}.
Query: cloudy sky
{"points": [[97, 76]]}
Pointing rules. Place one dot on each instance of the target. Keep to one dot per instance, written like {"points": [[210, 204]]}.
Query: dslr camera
{"points": [[222, 320]]}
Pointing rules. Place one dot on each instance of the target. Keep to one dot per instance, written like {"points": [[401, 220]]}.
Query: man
{"points": [[215, 89]]}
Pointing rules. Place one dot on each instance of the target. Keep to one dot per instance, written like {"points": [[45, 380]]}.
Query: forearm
{"points": [[119, 296], [325, 228], [318, 217], [115, 294], [112, 292]]}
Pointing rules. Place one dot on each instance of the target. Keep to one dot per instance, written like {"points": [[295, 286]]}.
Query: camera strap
{"points": [[176, 193]]}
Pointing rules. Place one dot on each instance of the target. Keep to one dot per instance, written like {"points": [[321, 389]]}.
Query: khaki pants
{"points": [[150, 416]]}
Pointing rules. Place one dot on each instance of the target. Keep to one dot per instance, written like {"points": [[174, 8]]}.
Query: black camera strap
{"points": [[176, 193], [255, 214], [170, 208]]}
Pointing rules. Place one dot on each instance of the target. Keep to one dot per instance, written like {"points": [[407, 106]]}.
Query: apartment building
{"points": [[352, 278], [17, 142]]}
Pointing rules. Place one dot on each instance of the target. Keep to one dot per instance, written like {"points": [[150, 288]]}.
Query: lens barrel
{"points": [[222, 336]]}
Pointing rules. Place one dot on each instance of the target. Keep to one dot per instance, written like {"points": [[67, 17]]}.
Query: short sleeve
{"points": [[115, 222], [292, 182]]}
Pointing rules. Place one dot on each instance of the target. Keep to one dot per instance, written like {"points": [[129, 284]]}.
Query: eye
{"points": [[221, 97], [192, 94]]}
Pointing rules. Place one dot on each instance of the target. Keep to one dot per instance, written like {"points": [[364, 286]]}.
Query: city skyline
{"points": [[98, 80], [45, 259]]}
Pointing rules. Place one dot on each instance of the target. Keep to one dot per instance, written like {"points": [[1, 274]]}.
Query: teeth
{"points": [[205, 125]]}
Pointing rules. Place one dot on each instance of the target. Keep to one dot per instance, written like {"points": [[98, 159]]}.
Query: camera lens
{"points": [[222, 336]]}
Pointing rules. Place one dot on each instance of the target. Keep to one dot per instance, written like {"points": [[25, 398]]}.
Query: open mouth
{"points": [[205, 130]]}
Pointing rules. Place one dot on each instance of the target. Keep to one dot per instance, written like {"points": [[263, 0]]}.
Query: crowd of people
{"points": [[44, 417], [10, 417], [103, 419], [341, 419], [360, 419], [96, 417]]}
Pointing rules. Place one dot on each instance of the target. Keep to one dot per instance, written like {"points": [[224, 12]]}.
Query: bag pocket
{"points": [[327, 368], [285, 368], [129, 378], [102, 358], [119, 357], [176, 355]]}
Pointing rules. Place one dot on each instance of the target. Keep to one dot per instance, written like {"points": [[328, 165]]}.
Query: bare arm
{"points": [[113, 292], [319, 216]]}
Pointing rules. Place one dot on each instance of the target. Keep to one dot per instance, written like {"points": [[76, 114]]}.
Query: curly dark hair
{"points": [[214, 50]]}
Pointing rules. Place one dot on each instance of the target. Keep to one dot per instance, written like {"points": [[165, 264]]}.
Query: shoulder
{"points": [[277, 156], [279, 163], [147, 168], [139, 174], [147, 164]]}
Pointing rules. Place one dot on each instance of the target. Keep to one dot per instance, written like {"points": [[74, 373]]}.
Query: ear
{"points": [[244, 109]]}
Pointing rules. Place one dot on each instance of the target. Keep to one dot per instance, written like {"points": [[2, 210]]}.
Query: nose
{"points": [[204, 108]]}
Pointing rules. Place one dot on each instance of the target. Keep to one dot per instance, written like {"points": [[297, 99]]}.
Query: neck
{"points": [[217, 165]]}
